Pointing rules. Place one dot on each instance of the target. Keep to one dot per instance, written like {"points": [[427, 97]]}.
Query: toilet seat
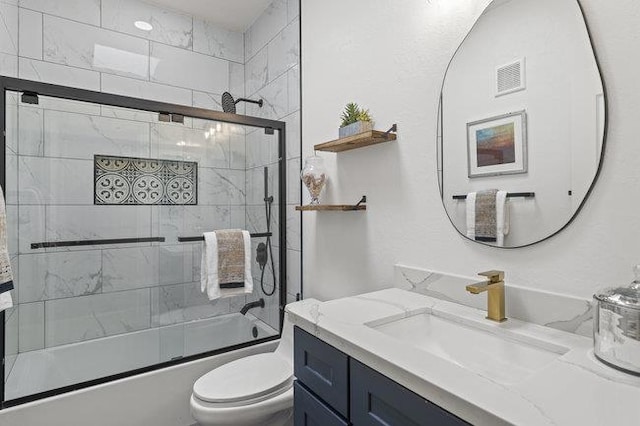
{"points": [[245, 381]]}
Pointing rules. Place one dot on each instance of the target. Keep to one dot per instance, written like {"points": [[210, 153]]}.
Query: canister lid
{"points": [[628, 297]]}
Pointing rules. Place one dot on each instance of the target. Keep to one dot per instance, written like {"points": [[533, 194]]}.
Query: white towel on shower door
{"points": [[6, 301], [209, 281], [6, 275]]}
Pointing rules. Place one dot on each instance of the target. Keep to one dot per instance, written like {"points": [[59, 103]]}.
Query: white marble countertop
{"points": [[574, 389]]}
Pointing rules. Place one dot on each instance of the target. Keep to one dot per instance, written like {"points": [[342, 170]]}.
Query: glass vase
{"points": [[314, 177]]}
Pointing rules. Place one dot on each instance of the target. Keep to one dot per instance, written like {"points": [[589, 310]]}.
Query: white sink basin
{"points": [[497, 357]]}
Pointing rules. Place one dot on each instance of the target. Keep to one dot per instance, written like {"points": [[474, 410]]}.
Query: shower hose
{"points": [[263, 266]]}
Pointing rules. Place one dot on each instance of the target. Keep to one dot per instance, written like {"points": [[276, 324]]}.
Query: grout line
{"points": [[193, 33], [149, 61], [91, 159], [104, 108], [102, 280], [44, 324], [101, 27], [195, 52], [4, 21], [131, 35], [102, 74], [17, 41], [114, 292], [151, 310], [41, 36]]}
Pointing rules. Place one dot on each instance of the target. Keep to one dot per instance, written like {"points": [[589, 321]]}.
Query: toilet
{"points": [[255, 390]]}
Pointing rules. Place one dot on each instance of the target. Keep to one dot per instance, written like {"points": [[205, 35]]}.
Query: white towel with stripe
{"points": [[503, 217], [6, 274], [209, 277]]}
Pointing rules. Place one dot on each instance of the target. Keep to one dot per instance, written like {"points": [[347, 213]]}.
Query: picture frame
{"points": [[497, 145]]}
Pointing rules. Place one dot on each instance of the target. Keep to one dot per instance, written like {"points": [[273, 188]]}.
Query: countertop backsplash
{"points": [[559, 311]]}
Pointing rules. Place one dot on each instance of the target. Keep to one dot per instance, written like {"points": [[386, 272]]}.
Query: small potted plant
{"points": [[355, 120]]}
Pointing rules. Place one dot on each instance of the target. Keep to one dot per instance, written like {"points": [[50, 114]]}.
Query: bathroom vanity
{"points": [[397, 357], [335, 389]]}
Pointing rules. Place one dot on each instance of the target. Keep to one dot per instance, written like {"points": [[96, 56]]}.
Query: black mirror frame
{"points": [[439, 138]]}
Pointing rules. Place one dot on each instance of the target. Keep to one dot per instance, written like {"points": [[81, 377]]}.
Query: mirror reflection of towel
{"points": [[502, 217], [487, 216], [6, 275]]}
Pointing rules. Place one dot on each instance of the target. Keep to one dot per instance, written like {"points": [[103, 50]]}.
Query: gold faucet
{"points": [[495, 288]]}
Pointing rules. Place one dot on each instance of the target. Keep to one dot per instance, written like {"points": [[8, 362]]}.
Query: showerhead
{"points": [[229, 104]]}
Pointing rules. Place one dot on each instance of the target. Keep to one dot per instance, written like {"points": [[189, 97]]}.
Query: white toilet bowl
{"points": [[255, 390]]}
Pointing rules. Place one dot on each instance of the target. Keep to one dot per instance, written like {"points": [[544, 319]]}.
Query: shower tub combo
{"points": [[107, 199]]}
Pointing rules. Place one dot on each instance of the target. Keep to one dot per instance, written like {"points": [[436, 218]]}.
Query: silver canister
{"points": [[616, 331]]}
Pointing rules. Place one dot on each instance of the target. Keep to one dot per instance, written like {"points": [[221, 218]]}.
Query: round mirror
{"points": [[522, 122]]}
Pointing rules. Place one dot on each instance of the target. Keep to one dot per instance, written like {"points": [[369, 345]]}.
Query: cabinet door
{"points": [[378, 400], [308, 410], [323, 369]]}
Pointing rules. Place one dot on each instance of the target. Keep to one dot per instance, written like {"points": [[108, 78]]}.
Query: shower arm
{"points": [[251, 101]]}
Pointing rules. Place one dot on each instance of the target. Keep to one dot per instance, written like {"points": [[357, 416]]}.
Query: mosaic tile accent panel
{"points": [[144, 181]]}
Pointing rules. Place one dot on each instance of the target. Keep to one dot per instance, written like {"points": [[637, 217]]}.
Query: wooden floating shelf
{"points": [[360, 140], [334, 207], [331, 208]]}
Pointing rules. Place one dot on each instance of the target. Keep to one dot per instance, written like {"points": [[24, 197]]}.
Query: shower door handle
{"points": [[52, 244]]}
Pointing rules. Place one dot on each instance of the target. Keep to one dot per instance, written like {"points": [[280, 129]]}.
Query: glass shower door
{"points": [[106, 209]]}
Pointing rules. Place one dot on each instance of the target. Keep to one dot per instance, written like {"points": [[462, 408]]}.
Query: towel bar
{"points": [[509, 195], [201, 237]]}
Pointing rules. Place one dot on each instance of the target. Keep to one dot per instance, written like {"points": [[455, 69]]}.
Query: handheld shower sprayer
{"points": [[267, 198], [229, 103], [264, 251]]}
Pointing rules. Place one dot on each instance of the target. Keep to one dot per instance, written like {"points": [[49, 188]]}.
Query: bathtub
{"points": [[56, 367]]}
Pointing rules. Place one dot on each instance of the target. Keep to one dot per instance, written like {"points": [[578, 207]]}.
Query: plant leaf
{"points": [[351, 114]]}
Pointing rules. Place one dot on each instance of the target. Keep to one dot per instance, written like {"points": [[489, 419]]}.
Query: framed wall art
{"points": [[497, 145]]}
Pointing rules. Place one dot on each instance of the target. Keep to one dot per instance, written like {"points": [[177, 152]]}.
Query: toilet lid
{"points": [[246, 378]]}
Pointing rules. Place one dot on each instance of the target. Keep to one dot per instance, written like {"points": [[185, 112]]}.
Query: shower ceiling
{"points": [[234, 15]]}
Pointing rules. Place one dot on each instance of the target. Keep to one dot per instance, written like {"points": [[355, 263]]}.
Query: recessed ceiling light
{"points": [[143, 25]]}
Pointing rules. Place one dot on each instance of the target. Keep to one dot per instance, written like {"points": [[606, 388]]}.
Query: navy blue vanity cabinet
{"points": [[323, 370], [378, 400], [311, 411], [333, 389]]}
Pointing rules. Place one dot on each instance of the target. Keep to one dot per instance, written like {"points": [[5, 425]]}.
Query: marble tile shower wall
{"points": [[74, 295], [93, 45], [272, 72], [68, 295]]}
